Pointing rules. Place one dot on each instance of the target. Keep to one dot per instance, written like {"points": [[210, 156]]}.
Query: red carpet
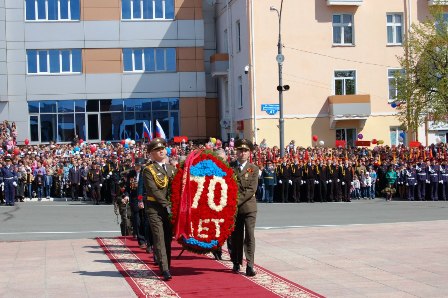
{"points": [[194, 275]]}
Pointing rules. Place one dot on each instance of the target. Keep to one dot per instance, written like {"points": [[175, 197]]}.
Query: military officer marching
{"points": [[244, 234], [156, 177]]}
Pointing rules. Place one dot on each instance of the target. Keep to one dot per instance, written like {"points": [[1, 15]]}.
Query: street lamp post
{"points": [[280, 88]]}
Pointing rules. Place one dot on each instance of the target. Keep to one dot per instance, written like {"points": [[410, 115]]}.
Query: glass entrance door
{"points": [[93, 127]]}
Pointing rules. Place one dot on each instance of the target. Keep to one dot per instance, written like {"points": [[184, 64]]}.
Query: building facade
{"points": [[340, 57], [101, 69]]}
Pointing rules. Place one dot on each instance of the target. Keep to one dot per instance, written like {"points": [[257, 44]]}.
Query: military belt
{"points": [[151, 199]]}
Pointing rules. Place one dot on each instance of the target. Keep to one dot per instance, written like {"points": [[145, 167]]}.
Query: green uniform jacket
{"points": [[159, 194], [247, 181]]}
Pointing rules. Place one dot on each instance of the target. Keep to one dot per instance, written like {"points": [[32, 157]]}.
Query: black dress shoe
{"points": [[236, 268], [250, 271], [166, 275]]}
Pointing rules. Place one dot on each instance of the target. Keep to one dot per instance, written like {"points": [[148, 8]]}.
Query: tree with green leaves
{"points": [[422, 86]]}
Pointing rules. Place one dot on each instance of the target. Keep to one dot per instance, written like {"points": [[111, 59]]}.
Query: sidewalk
{"points": [[375, 260]]}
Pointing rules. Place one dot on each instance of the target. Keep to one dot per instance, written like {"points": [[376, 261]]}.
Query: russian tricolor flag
{"points": [[159, 131], [147, 132]]}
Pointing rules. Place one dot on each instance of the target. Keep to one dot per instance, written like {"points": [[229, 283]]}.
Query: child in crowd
{"points": [[356, 188]]}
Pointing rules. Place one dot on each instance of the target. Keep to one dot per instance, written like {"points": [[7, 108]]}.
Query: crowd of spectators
{"points": [[303, 174]]}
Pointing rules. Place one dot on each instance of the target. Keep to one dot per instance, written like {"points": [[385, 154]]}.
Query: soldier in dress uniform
{"points": [[309, 174], [422, 177], [244, 234], [95, 180], [411, 182], [111, 173], [156, 177], [434, 179], [134, 194], [296, 175], [284, 178], [444, 179], [269, 180], [8, 176], [322, 178], [333, 184], [346, 177]]}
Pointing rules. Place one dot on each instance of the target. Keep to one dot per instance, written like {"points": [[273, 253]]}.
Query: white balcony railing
{"points": [[345, 2]]}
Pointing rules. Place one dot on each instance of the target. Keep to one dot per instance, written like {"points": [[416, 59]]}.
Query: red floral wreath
{"points": [[208, 228]]}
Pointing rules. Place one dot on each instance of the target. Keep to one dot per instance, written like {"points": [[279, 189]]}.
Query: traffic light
{"points": [[283, 88]]}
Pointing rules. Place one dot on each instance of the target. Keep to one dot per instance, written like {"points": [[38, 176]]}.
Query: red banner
{"points": [[362, 143], [180, 139], [340, 143], [414, 144]]}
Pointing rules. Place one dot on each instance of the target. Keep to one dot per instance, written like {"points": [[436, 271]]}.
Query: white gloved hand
{"points": [[352, 183], [168, 209], [280, 181], [14, 183], [110, 173], [339, 180], [327, 181], [2, 184], [427, 181], [108, 176], [330, 180], [317, 182], [290, 182], [101, 185], [407, 184], [441, 182], [90, 186], [301, 182], [343, 183]]}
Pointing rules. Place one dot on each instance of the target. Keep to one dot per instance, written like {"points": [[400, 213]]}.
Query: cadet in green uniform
{"points": [[156, 177], [247, 179]]}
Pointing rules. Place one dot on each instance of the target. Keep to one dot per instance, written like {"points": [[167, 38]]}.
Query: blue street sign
{"points": [[270, 109]]}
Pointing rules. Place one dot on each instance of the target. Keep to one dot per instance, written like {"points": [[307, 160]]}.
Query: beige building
{"points": [[340, 57]]}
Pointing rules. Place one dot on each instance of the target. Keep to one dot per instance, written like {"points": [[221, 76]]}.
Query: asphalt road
{"points": [[79, 220]]}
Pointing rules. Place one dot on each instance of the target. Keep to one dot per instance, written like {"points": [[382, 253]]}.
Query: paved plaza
{"points": [[362, 249]]}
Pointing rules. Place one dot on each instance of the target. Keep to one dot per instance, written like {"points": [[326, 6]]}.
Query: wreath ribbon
{"points": [[183, 227]]}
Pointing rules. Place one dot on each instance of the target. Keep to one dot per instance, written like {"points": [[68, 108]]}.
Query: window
{"points": [[240, 91], [397, 136], [54, 61], [147, 9], [343, 29], [348, 135], [439, 27], [34, 128], [238, 36], [394, 29], [345, 82], [149, 60], [52, 10], [391, 76], [106, 119]]}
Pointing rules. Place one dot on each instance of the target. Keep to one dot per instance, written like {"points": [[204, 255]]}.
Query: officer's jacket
{"points": [[153, 175], [247, 180]]}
